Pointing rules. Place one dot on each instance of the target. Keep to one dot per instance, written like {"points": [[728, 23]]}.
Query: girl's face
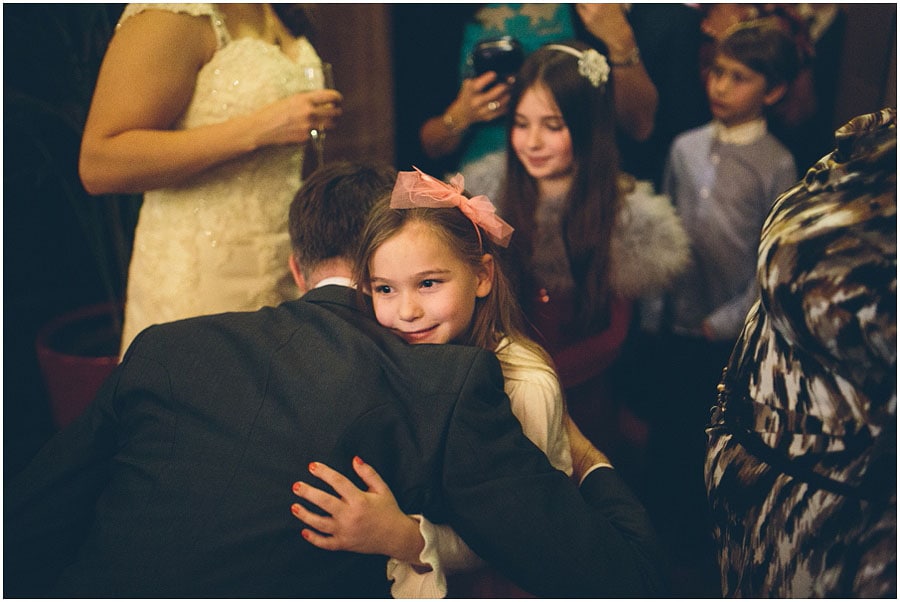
{"points": [[541, 138], [422, 290]]}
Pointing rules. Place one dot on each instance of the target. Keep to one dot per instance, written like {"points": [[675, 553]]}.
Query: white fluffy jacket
{"points": [[649, 246]]}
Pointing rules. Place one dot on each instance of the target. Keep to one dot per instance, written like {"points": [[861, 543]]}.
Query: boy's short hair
{"points": [[329, 211], [763, 47]]}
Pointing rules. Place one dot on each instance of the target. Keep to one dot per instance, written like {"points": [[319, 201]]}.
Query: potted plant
{"points": [[45, 108]]}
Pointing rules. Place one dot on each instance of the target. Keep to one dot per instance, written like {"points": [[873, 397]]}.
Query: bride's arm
{"points": [[146, 82]]}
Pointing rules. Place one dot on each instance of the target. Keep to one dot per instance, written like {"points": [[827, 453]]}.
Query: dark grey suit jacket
{"points": [[177, 480]]}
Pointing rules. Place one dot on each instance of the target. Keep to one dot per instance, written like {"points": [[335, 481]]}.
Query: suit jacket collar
{"points": [[339, 295]]}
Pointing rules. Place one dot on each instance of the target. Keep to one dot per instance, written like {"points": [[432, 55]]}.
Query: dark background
{"points": [[50, 60]]}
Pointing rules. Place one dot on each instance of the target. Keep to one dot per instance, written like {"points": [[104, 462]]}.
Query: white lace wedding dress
{"points": [[220, 243]]}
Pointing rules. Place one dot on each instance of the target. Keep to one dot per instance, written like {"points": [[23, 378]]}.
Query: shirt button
{"points": [[704, 193]]}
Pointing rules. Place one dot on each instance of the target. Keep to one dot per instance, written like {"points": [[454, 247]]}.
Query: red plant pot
{"points": [[76, 353]]}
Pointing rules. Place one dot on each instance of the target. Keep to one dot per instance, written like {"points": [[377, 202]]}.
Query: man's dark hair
{"points": [[329, 211]]}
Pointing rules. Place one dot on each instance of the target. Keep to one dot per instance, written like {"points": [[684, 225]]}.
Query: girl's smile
{"points": [[421, 289], [418, 336], [541, 140]]}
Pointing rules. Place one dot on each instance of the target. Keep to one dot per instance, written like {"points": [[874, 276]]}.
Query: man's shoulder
{"points": [[236, 319], [330, 321], [447, 362], [205, 332], [267, 317]]}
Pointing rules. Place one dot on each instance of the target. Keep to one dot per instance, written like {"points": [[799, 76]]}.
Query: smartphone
{"points": [[502, 55]]}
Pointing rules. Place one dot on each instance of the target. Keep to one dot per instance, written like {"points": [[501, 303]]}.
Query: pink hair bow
{"points": [[418, 189]]}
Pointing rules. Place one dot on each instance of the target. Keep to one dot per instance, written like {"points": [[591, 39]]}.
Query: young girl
{"points": [[589, 239], [429, 261]]}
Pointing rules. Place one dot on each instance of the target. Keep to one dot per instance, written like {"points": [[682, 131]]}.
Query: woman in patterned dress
{"points": [[801, 466], [203, 108]]}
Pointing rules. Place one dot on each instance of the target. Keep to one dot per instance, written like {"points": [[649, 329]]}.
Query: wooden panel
{"points": [[869, 62], [356, 39]]}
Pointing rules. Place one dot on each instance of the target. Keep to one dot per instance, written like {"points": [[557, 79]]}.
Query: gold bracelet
{"points": [[633, 58], [448, 122]]}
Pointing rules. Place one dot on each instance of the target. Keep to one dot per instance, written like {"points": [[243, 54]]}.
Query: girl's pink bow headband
{"points": [[418, 189]]}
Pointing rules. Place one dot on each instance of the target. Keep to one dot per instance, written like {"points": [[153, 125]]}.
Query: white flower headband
{"points": [[591, 64]]}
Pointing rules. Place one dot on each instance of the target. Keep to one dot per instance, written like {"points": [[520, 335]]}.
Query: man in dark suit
{"points": [[177, 480]]}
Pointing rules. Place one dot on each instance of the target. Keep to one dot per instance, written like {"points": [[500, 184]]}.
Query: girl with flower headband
{"points": [[429, 260], [590, 240]]}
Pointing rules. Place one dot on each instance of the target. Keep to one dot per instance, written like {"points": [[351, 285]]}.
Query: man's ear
{"points": [[485, 276], [775, 94], [297, 273]]}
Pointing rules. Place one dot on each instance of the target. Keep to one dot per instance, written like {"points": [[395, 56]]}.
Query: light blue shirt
{"points": [[723, 183]]}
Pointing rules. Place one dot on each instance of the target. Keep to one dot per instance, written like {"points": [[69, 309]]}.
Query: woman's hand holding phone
{"points": [[482, 98]]}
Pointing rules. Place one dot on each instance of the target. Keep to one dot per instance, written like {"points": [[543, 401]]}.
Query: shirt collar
{"points": [[338, 280], [740, 135]]}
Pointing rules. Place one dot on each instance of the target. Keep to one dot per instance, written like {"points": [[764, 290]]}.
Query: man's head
{"points": [[328, 214]]}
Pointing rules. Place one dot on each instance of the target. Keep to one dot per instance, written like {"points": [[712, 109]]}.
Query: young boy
{"points": [[723, 177]]}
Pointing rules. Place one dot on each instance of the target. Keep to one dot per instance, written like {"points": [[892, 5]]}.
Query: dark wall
{"points": [[868, 61], [51, 56]]}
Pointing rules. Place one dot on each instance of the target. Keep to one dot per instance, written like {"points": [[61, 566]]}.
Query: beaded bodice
{"points": [[229, 223]]}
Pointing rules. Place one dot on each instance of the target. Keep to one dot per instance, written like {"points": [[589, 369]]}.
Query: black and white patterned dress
{"points": [[801, 460]]}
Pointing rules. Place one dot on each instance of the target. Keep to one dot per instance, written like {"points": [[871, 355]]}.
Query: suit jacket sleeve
{"points": [[529, 520], [49, 506]]}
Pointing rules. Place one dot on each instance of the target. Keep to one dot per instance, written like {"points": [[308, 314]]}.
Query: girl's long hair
{"points": [[593, 200], [496, 314]]}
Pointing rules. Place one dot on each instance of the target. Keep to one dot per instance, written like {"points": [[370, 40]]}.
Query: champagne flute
{"points": [[317, 76]]}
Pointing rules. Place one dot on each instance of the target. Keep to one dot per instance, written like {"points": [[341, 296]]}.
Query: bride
{"points": [[202, 108]]}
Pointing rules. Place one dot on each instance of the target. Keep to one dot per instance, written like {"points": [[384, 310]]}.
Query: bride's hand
{"points": [[368, 522], [290, 119]]}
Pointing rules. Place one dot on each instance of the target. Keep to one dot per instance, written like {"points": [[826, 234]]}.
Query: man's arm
{"points": [[529, 520], [510, 505], [49, 506]]}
